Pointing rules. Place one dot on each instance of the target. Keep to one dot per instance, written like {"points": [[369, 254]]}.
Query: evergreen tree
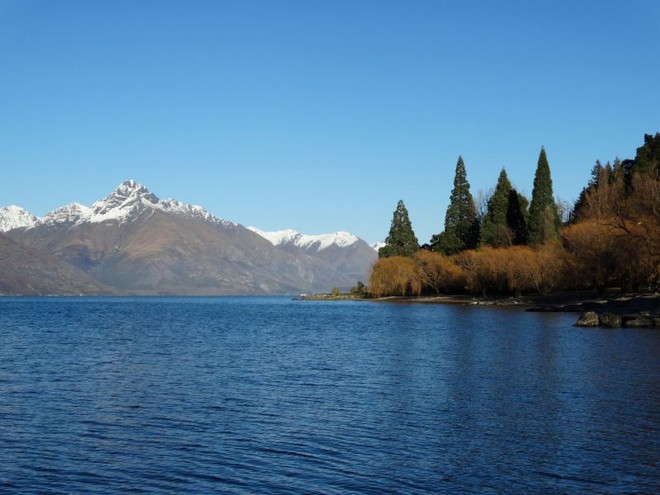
{"points": [[544, 218], [517, 218], [494, 230], [401, 240], [599, 174], [647, 159], [461, 224]]}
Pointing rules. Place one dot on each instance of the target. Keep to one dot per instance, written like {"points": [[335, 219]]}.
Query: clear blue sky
{"points": [[318, 115]]}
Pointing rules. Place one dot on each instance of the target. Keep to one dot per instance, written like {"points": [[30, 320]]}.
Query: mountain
{"points": [[377, 245], [27, 271], [15, 217], [138, 244], [345, 251]]}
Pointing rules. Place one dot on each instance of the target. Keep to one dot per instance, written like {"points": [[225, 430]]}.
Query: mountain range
{"points": [[131, 242]]}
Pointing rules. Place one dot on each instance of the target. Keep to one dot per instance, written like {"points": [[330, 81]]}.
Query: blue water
{"points": [[270, 395]]}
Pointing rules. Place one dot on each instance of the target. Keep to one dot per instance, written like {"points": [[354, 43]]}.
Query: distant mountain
{"points": [[15, 217], [377, 245], [27, 271], [138, 244], [343, 250]]}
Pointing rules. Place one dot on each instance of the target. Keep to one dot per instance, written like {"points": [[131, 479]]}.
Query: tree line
{"points": [[517, 246]]}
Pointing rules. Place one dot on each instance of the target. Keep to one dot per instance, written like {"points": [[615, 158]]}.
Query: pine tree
{"points": [[544, 218], [494, 230], [401, 240], [461, 224], [517, 218], [647, 159]]}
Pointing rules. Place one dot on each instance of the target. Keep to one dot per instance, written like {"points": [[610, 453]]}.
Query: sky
{"points": [[318, 115]]}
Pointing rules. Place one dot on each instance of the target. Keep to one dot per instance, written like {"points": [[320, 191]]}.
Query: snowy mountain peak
{"points": [[277, 237], [70, 213], [131, 199], [127, 200], [377, 245], [307, 242], [14, 217]]}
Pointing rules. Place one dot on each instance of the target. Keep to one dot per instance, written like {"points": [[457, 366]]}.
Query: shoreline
{"points": [[568, 302], [613, 301]]}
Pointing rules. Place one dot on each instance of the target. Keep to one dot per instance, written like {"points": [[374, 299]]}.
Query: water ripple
{"points": [[271, 396]]}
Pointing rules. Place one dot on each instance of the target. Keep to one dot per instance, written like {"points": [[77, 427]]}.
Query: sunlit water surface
{"points": [[270, 395]]}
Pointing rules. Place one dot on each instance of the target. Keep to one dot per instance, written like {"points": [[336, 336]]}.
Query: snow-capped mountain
{"points": [[15, 217], [307, 242], [133, 242], [129, 200], [377, 245], [346, 251], [69, 214]]}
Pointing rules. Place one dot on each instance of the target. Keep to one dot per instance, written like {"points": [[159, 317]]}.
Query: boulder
{"points": [[639, 321], [610, 320], [588, 319]]}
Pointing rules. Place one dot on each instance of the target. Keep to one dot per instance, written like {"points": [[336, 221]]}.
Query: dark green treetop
{"points": [[461, 224], [517, 217], [647, 159], [401, 240], [544, 221], [494, 230]]}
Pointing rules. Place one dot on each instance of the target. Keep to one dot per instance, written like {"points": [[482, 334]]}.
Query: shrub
{"points": [[396, 275]]}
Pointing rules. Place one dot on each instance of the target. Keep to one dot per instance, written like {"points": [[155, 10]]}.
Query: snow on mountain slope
{"points": [[129, 200], [377, 245], [14, 217], [307, 242], [70, 213]]}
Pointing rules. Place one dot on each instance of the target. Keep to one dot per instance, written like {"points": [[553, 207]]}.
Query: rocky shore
{"points": [[627, 311], [614, 310], [643, 319]]}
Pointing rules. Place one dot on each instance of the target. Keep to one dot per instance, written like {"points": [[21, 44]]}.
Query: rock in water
{"points": [[588, 319], [610, 320], [639, 321]]}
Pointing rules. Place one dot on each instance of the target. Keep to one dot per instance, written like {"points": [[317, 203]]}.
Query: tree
{"points": [[395, 276], [544, 221], [494, 229], [401, 240], [517, 218], [438, 273], [461, 223], [647, 160], [359, 290]]}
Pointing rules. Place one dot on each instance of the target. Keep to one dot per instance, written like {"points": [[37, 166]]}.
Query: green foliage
{"points": [[612, 240], [494, 230], [359, 290], [461, 223], [335, 292], [544, 221], [647, 160], [401, 240], [517, 217]]}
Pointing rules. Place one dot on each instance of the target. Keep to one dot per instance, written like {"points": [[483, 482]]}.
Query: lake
{"points": [[243, 395]]}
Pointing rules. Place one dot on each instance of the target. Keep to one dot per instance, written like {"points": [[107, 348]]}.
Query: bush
{"points": [[438, 273], [396, 275]]}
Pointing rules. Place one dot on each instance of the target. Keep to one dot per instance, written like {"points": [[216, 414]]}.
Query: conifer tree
{"points": [[461, 224], [517, 218], [544, 218], [494, 230], [401, 240], [647, 159]]}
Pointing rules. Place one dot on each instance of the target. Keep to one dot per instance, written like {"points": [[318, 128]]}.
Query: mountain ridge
{"points": [[136, 243]]}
